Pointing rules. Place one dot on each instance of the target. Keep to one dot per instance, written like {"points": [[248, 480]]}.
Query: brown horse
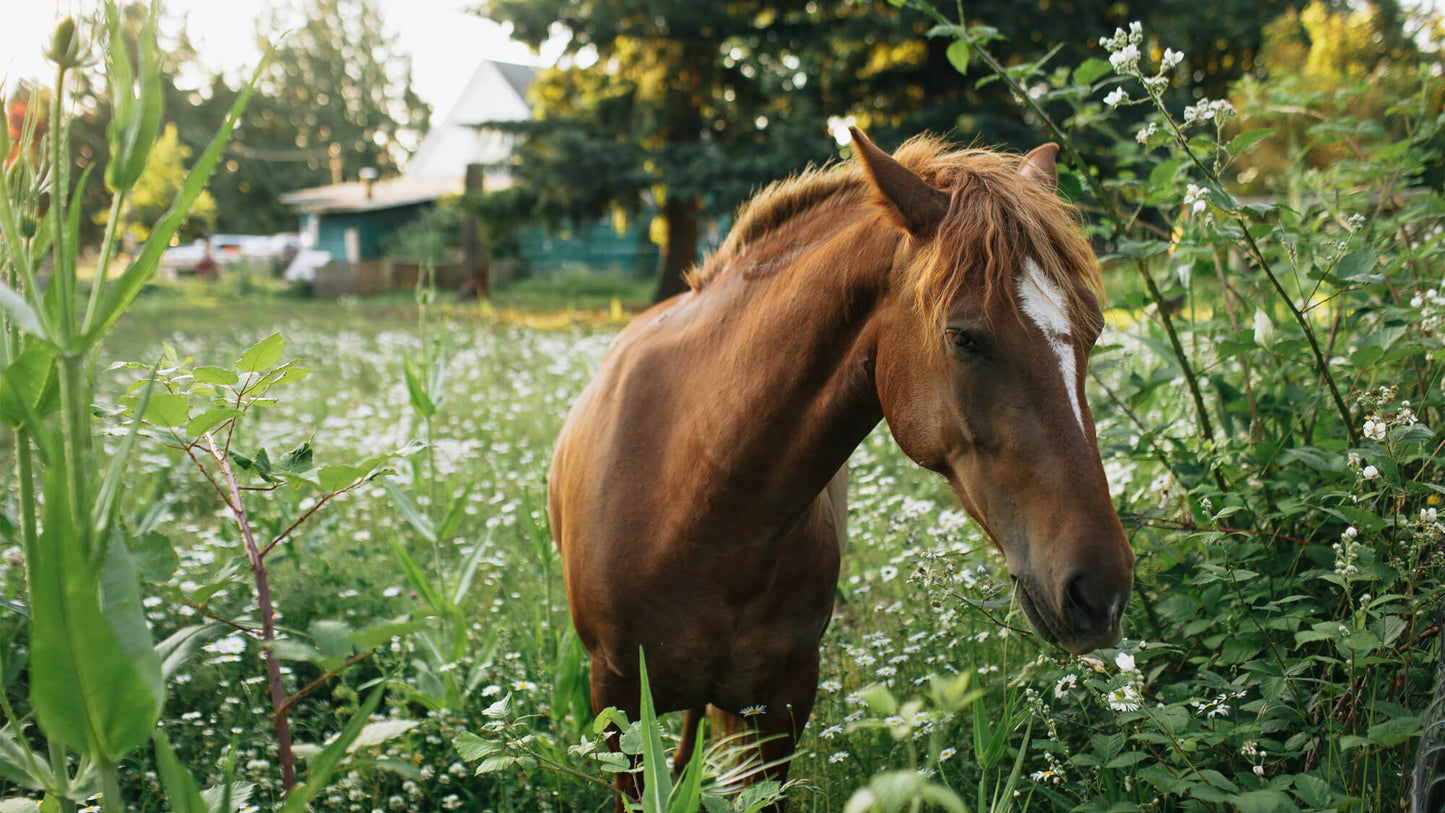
{"points": [[698, 491]]}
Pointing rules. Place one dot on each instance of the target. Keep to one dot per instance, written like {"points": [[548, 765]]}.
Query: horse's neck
{"points": [[793, 394]]}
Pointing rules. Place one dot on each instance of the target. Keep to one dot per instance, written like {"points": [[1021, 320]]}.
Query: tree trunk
{"points": [[476, 264], [679, 252]]}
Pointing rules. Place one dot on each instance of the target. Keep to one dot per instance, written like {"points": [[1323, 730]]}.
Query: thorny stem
{"points": [[313, 685], [1320, 362], [279, 721]]}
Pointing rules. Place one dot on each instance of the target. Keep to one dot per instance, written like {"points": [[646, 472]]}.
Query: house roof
{"points": [[497, 91], [353, 197]]}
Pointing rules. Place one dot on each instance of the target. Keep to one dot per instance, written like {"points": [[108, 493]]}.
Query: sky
{"points": [[444, 40]]}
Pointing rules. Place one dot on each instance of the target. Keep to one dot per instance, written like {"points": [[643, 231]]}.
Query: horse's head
{"points": [[980, 370]]}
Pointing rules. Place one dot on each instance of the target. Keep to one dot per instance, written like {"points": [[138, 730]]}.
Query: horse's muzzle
{"points": [[1087, 614]]}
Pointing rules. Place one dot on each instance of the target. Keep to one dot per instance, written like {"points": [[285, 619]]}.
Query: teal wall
{"points": [[373, 227], [595, 246]]}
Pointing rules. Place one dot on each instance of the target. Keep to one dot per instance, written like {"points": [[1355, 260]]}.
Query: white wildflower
{"points": [[1171, 58], [1116, 97]]}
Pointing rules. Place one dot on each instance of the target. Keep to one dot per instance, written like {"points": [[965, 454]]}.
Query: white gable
{"points": [[494, 93]]}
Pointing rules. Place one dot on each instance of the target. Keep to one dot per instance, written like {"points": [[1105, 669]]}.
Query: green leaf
{"points": [[472, 748], [1092, 70], [337, 476], [29, 387], [687, 795], [263, 355], [1393, 732], [380, 732], [419, 582], [178, 648], [416, 392], [210, 419], [154, 555], [296, 461], [95, 681], [1262, 801], [1313, 790], [176, 779], [119, 296], [166, 410], [409, 510], [1359, 266], [215, 375], [958, 54], [21, 314], [320, 767], [1241, 143], [656, 775]]}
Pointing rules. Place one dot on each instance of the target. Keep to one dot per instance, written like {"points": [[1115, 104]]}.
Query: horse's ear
{"points": [[1039, 165], [910, 202]]}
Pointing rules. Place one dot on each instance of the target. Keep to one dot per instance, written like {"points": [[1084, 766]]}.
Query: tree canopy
{"points": [[693, 106]]}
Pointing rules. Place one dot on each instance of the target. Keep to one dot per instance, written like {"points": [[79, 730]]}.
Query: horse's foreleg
{"points": [[624, 694], [781, 725]]}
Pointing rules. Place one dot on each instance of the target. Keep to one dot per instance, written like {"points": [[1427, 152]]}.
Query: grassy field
{"points": [[1191, 700], [918, 596]]}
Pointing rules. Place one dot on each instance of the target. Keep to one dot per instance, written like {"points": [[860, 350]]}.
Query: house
{"points": [[344, 227]]}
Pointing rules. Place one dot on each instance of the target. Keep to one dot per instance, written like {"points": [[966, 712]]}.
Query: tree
{"points": [[689, 103], [336, 98], [157, 187]]}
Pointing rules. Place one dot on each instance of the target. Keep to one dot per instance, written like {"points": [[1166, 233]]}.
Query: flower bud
{"points": [[65, 45]]}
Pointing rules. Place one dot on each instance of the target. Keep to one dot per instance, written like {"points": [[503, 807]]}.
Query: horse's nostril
{"points": [[1080, 610]]}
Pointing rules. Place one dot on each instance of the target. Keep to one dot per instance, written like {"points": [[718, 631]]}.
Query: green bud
{"points": [[65, 46], [27, 226]]}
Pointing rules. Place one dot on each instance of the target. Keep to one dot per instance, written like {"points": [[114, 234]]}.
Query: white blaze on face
{"points": [[1047, 306]]}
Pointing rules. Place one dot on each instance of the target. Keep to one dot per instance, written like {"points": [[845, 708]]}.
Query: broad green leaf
{"points": [[153, 554], [20, 313], [333, 638], [296, 461], [210, 419], [472, 748], [1092, 70], [1241, 143], [215, 375], [164, 409], [263, 355], [1313, 790], [28, 386], [176, 779], [16, 766], [320, 767], [1359, 265], [958, 54], [337, 476], [95, 679], [1393, 732]]}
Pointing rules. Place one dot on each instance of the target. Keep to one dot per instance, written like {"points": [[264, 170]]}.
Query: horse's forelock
{"points": [[997, 220]]}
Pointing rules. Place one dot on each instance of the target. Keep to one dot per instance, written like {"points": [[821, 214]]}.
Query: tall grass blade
{"points": [[129, 284], [656, 777]]}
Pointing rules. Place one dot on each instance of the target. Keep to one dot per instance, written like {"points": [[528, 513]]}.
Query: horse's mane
{"points": [[996, 220]]}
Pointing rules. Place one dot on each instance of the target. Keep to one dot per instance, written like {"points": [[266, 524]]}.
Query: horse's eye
{"points": [[962, 340]]}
